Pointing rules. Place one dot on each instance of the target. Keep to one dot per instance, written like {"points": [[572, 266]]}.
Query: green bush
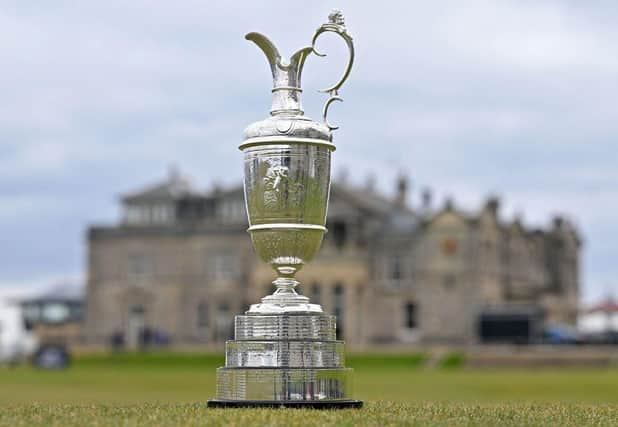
{"points": [[418, 360], [452, 360], [387, 361]]}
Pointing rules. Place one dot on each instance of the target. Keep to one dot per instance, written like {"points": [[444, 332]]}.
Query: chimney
{"points": [[402, 190], [492, 205], [216, 188], [426, 200], [518, 219], [370, 183], [448, 204]]}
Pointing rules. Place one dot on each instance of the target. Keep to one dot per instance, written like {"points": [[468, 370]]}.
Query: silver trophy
{"points": [[285, 351]]}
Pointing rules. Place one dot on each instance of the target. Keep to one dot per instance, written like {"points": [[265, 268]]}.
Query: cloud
{"points": [[470, 98]]}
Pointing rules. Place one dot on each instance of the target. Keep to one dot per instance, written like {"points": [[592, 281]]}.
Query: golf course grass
{"points": [[171, 389]]}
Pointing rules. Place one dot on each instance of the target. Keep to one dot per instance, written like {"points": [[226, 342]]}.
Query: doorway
{"points": [[135, 326]]}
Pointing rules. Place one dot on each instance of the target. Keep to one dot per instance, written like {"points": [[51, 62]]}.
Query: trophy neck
{"points": [[286, 102], [286, 86], [286, 75]]}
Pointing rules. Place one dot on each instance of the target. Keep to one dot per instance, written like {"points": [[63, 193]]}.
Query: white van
{"points": [[16, 341]]}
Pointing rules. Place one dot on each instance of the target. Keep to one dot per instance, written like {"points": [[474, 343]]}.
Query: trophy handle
{"points": [[336, 24]]}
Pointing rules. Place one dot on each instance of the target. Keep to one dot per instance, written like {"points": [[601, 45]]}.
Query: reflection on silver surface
{"points": [[284, 354], [269, 384], [319, 327]]}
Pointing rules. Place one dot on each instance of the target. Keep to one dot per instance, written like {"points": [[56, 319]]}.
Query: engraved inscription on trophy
{"points": [[279, 188]]}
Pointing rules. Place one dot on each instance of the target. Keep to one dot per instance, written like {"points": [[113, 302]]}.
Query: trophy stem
{"points": [[285, 299], [285, 286]]}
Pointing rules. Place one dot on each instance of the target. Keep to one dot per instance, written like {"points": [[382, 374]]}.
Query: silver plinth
{"points": [[288, 358], [285, 351]]}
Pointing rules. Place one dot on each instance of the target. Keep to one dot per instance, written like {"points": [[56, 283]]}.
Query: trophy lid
{"points": [[287, 123]]}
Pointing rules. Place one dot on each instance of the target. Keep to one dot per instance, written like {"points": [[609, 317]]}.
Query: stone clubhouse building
{"points": [[180, 264]]}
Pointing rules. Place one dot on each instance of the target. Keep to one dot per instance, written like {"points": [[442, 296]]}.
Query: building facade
{"points": [[180, 263]]}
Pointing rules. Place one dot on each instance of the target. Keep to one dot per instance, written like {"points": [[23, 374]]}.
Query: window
{"points": [[232, 210], [140, 266], [55, 313], [449, 281], [239, 210], [449, 246], [395, 272], [76, 311], [135, 214], [202, 318], [160, 214], [338, 308], [222, 265], [410, 315], [130, 215], [32, 312], [225, 326], [339, 234]]}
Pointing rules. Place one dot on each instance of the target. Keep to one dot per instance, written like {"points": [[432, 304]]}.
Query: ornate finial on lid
{"points": [[336, 17]]}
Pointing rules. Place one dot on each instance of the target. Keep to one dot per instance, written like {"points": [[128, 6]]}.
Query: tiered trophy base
{"points": [[285, 360]]}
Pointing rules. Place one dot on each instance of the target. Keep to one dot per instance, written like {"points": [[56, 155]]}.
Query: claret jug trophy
{"points": [[285, 351]]}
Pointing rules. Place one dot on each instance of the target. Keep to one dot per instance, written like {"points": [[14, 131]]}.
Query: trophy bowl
{"points": [[286, 193]]}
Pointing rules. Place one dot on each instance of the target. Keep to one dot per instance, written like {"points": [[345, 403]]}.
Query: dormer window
{"points": [[135, 214], [158, 204], [149, 214], [161, 213]]}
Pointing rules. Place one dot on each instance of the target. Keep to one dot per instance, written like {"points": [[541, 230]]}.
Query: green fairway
{"points": [[171, 389], [374, 414]]}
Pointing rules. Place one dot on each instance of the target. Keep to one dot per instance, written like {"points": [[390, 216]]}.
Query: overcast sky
{"points": [[517, 98]]}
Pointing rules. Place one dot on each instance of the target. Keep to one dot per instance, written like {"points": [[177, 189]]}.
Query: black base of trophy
{"points": [[311, 404]]}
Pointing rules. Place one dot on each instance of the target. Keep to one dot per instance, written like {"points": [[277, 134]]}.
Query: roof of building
{"points": [[608, 305], [63, 291], [175, 186], [398, 217], [365, 199]]}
